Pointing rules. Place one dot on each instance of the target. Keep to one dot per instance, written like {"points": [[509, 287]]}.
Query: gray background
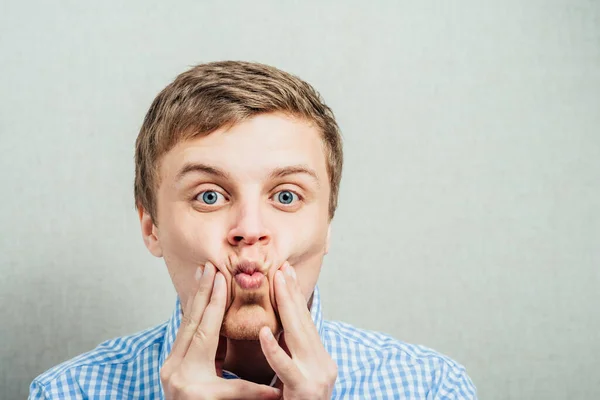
{"points": [[468, 216]]}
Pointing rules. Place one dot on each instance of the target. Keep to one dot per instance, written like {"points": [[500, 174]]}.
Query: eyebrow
{"points": [[202, 168], [276, 173], [294, 169]]}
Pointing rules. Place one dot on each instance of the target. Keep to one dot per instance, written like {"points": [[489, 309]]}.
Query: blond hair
{"points": [[219, 94]]}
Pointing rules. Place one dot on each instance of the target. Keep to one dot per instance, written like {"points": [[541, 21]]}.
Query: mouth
{"points": [[248, 275]]}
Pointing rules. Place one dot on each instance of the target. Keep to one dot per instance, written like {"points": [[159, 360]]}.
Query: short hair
{"points": [[219, 94]]}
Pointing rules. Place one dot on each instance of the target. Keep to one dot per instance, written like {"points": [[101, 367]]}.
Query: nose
{"points": [[249, 227]]}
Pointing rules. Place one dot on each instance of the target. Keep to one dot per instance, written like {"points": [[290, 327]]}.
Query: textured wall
{"points": [[468, 216]]}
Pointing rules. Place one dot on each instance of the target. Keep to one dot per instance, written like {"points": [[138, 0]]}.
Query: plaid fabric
{"points": [[371, 365]]}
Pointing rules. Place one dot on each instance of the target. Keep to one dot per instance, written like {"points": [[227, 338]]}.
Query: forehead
{"points": [[252, 148]]}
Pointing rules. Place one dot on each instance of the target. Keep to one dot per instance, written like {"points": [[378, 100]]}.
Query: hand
{"points": [[189, 372], [310, 372]]}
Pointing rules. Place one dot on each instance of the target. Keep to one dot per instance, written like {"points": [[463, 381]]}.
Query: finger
{"points": [[241, 389], [299, 300], [285, 368], [194, 311], [294, 287], [190, 302], [204, 293], [204, 343], [290, 315]]}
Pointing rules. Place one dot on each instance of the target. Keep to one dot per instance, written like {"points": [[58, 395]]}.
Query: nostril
{"points": [[249, 239]]}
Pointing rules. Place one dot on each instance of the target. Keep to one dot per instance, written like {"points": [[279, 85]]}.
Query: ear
{"points": [[149, 233], [327, 239]]}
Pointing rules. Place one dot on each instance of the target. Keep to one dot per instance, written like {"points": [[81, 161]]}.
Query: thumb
{"points": [[239, 388]]}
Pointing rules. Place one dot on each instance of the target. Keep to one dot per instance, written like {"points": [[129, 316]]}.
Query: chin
{"points": [[245, 322]]}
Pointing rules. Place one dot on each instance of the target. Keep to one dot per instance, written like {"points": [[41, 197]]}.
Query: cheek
{"points": [[187, 244], [304, 248], [303, 243], [193, 240]]}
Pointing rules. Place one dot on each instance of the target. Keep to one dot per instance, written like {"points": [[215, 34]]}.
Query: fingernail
{"points": [[270, 336], [280, 275], [290, 271], [199, 273]]}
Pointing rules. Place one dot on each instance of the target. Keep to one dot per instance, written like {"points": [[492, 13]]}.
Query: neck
{"points": [[246, 359]]}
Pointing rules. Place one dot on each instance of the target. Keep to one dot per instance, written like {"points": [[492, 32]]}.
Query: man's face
{"points": [[247, 199]]}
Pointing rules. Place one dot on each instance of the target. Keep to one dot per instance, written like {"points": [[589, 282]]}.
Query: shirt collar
{"points": [[175, 320]]}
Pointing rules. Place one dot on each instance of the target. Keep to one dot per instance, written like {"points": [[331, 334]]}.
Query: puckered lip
{"points": [[247, 267]]}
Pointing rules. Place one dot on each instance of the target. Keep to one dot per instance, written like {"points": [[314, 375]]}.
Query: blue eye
{"points": [[209, 197], [286, 197]]}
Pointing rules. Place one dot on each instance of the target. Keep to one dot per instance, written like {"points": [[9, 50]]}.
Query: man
{"points": [[238, 167]]}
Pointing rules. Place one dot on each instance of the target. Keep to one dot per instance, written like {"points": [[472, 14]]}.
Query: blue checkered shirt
{"points": [[371, 365]]}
